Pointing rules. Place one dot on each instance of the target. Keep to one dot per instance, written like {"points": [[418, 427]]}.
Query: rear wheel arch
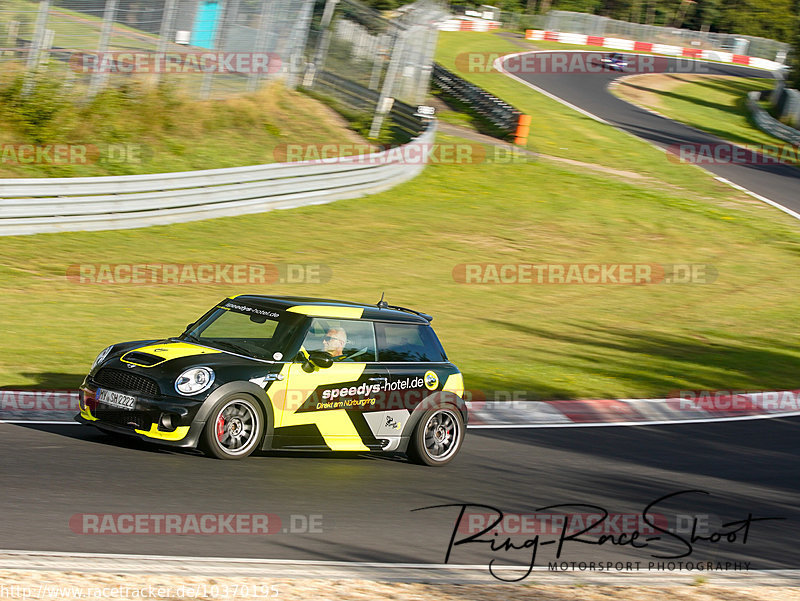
{"points": [[437, 399]]}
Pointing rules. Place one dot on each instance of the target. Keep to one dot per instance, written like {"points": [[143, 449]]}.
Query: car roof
{"points": [[325, 307]]}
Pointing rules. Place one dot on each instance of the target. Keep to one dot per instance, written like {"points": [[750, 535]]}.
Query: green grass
{"points": [[558, 130], [713, 104], [165, 130], [550, 341]]}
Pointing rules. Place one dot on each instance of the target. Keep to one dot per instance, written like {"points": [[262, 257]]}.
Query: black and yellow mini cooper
{"points": [[285, 373]]}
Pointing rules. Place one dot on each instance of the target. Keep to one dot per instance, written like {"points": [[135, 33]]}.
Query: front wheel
{"points": [[234, 428], [437, 437]]}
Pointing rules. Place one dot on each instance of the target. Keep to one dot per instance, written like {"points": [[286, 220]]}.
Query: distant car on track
{"points": [[614, 61], [268, 372]]}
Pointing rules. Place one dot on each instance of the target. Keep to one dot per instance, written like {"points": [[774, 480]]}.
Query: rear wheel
{"points": [[234, 428], [437, 437]]}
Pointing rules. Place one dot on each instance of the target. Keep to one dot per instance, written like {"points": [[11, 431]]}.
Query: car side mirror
{"points": [[319, 359]]}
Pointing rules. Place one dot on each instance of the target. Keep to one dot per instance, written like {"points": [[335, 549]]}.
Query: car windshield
{"points": [[245, 329]]}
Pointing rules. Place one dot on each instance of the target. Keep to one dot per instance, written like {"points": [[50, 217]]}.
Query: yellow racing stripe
{"points": [[169, 350], [328, 311], [335, 426]]}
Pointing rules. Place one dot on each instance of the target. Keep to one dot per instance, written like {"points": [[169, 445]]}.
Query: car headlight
{"points": [[101, 357], [194, 380]]}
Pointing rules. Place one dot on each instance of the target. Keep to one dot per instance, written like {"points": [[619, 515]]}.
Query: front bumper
{"points": [[169, 422]]}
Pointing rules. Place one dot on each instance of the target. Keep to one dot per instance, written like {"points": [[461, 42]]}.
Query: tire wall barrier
{"points": [[499, 113]]}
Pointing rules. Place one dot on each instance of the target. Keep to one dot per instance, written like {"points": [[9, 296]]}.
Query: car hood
{"points": [[151, 355]]}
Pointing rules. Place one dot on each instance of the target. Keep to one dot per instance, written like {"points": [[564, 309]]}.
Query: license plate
{"points": [[116, 399]]}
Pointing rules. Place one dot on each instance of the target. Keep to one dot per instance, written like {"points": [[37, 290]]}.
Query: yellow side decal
{"points": [[328, 311], [335, 426], [86, 414], [179, 433], [169, 350], [455, 384]]}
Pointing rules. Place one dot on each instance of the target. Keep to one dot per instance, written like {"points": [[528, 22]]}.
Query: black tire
{"points": [[437, 437], [234, 428]]}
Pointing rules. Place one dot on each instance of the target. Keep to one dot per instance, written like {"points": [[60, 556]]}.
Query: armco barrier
{"points": [[768, 123], [31, 206]]}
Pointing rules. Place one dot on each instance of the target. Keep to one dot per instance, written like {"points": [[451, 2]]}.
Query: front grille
{"points": [[117, 379], [135, 420]]}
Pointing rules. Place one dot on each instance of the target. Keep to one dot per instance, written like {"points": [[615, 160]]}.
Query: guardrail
{"points": [[498, 112], [768, 123], [38, 205]]}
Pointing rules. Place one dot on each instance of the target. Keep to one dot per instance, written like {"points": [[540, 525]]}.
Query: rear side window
{"points": [[408, 342]]}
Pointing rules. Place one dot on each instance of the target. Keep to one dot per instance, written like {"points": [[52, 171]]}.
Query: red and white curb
{"points": [[689, 408], [60, 406], [665, 49]]}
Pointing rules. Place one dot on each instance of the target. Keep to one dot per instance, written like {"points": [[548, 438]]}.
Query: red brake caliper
{"points": [[220, 427]]}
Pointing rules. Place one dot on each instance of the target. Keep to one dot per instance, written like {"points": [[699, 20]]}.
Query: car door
{"points": [[324, 407]]}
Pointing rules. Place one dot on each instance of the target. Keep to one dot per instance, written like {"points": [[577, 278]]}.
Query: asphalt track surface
{"points": [[589, 91], [366, 502]]}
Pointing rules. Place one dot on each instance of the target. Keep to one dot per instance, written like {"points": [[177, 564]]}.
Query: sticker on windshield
{"points": [[270, 313]]}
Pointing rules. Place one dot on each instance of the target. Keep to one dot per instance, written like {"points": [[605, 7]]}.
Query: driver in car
{"points": [[334, 341]]}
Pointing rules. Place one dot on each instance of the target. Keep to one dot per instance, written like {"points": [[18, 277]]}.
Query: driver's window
{"points": [[344, 340]]}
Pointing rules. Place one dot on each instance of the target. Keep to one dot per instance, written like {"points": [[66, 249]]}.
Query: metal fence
{"points": [[572, 22], [217, 48], [388, 56]]}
